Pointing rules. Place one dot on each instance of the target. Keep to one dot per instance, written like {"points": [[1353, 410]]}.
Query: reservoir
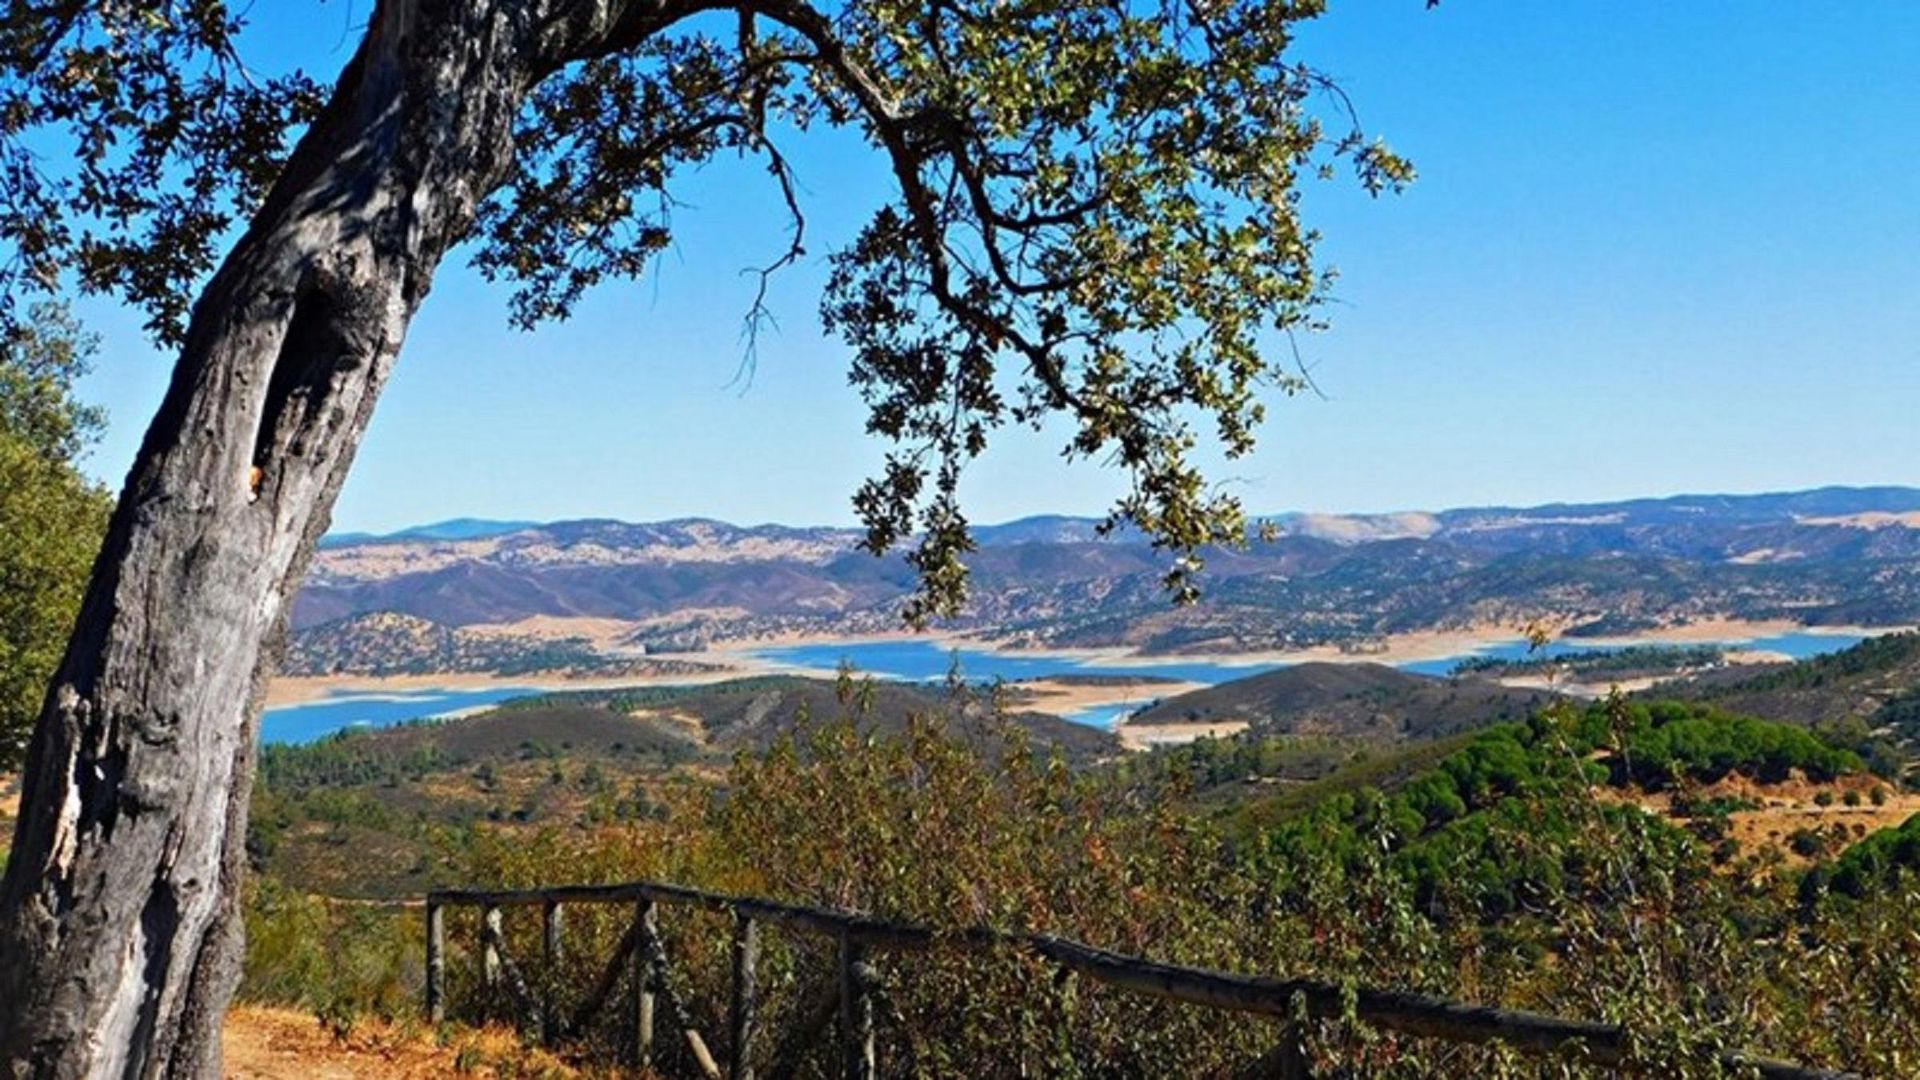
{"points": [[920, 661]]}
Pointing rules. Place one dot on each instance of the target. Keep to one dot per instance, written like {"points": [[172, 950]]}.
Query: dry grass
{"points": [[1065, 697], [265, 1043], [1872, 519], [1148, 736], [1792, 805]]}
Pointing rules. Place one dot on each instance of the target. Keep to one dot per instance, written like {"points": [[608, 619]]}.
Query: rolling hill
{"points": [[749, 714], [1875, 683], [1347, 700], [394, 797], [1834, 556]]}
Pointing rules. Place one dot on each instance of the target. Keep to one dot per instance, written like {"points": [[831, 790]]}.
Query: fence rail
{"points": [[641, 954]]}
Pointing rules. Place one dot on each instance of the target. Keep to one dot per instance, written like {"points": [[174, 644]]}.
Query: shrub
{"points": [[336, 958], [1807, 843], [1488, 875]]}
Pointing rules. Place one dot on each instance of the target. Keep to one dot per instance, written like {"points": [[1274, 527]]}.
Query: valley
{"points": [[1492, 789], [1278, 741], [479, 607], [1100, 687], [1487, 816], [600, 540]]}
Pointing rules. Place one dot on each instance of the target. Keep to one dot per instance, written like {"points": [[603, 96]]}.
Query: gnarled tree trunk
{"points": [[120, 934]]}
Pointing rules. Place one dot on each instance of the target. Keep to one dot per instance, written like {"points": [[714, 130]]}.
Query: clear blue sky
{"points": [[1654, 248]]}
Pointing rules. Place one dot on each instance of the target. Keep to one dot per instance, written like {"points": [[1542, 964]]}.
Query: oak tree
{"points": [[51, 515], [1094, 215]]}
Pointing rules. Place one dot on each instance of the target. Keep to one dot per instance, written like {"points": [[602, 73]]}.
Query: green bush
{"points": [[1491, 878], [1875, 864], [1486, 871], [337, 958]]}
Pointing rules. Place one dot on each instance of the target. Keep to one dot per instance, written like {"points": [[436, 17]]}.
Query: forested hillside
{"points": [[1365, 700], [1652, 849], [404, 800], [386, 643], [1874, 686]]}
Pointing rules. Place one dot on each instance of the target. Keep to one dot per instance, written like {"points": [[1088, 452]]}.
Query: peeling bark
{"points": [[120, 937], [120, 923]]}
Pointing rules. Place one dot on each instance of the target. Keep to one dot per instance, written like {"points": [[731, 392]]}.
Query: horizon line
{"points": [[1253, 518]]}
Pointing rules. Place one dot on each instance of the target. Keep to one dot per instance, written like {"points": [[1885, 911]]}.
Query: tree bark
{"points": [[120, 938]]}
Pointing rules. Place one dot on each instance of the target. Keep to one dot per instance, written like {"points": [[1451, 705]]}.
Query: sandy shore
{"points": [[1065, 698], [1148, 736], [1442, 644], [786, 638], [740, 652], [1577, 688], [307, 689], [737, 659], [1395, 649]]}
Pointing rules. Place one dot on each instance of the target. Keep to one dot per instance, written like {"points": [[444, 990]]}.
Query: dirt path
{"points": [[283, 1044]]}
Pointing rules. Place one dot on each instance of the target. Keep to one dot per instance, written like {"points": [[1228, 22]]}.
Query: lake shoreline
{"points": [[741, 659]]}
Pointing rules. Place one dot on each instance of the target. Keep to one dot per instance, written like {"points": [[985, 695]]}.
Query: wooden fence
{"points": [[641, 955]]}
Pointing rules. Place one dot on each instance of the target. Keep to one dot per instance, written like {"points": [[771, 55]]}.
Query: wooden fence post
{"points": [[550, 924], [645, 942], [745, 998], [853, 990], [856, 1009], [490, 949], [550, 947], [1291, 1055], [436, 963]]}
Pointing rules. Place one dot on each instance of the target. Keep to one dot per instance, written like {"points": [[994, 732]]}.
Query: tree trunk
{"points": [[120, 939]]}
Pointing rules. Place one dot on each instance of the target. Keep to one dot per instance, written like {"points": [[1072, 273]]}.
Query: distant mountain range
{"points": [[451, 529], [1350, 528], [1830, 556]]}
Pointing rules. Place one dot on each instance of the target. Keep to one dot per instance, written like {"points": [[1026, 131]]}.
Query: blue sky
{"points": [[1654, 248]]}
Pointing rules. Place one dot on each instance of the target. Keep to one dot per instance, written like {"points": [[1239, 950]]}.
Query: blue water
{"points": [[920, 661], [305, 723], [1799, 644], [1106, 717]]}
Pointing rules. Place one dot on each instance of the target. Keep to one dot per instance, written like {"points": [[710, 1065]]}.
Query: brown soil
{"points": [[1063, 698], [265, 1043], [1148, 736], [1794, 804], [1773, 826]]}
